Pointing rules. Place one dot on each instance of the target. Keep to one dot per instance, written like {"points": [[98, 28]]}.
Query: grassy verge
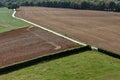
{"points": [[89, 65], [4, 29], [7, 22], [1, 27]]}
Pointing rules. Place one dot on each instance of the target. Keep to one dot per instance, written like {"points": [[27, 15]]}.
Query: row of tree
{"points": [[12, 5], [84, 4], [1, 4], [9, 5]]}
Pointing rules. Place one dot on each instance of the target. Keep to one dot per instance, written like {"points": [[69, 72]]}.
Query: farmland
{"points": [[28, 43], [7, 22], [97, 28], [89, 65]]}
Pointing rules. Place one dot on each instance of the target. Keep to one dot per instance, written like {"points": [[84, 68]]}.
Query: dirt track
{"points": [[98, 28], [30, 42]]}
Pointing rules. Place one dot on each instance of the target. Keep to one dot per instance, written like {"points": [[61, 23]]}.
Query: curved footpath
{"points": [[56, 33]]}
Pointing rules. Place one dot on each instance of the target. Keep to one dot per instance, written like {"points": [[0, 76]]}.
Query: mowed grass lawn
{"points": [[7, 22], [89, 65]]}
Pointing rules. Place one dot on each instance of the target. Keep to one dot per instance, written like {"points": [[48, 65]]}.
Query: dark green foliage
{"points": [[1, 4], [82, 4], [118, 7], [101, 5], [109, 5], [85, 5], [12, 5]]}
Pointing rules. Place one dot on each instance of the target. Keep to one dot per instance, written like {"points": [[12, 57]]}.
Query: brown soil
{"points": [[97, 28], [30, 42]]}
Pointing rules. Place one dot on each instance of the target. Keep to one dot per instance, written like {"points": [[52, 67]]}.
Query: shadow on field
{"points": [[18, 66]]}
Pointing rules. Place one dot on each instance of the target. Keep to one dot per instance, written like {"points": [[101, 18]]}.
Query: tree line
{"points": [[84, 4], [9, 5]]}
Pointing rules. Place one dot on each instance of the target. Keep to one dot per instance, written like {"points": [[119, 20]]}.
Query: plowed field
{"points": [[30, 42], [97, 28]]}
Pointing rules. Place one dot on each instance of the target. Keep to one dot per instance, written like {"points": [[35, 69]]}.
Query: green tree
{"points": [[12, 6], [111, 6], [1, 4], [84, 5], [101, 5], [118, 7]]}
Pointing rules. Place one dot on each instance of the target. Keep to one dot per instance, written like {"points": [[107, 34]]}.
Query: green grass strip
{"points": [[89, 65], [7, 22]]}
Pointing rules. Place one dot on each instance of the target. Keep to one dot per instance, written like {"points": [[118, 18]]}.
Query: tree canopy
{"points": [[108, 5], [12, 5]]}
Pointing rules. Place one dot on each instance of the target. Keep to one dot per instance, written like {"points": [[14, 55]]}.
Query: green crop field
{"points": [[89, 65], [7, 22]]}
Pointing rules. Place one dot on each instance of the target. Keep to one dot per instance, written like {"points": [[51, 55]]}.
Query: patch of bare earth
{"points": [[30, 42], [97, 28]]}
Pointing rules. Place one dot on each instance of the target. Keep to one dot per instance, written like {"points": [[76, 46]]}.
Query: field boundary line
{"points": [[51, 31], [51, 56]]}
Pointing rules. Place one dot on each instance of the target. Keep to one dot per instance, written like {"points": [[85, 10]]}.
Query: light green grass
{"points": [[1, 27], [89, 65], [8, 22], [4, 29]]}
